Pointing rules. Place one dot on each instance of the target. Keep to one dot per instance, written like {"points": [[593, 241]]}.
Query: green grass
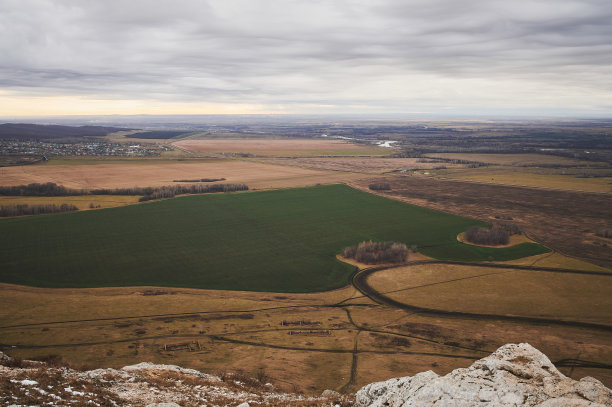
{"points": [[279, 241]]}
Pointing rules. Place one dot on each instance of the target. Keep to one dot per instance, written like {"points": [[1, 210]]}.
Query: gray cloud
{"points": [[388, 55]]}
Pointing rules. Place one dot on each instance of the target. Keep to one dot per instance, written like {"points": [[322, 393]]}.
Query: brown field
{"points": [[574, 297], [364, 164], [300, 341], [557, 260], [561, 220], [514, 159], [94, 174], [279, 147]]}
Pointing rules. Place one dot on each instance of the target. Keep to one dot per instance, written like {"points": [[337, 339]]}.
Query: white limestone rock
{"points": [[514, 375], [174, 368]]}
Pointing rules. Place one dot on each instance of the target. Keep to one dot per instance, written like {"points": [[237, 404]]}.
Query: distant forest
{"points": [[23, 131], [160, 134]]}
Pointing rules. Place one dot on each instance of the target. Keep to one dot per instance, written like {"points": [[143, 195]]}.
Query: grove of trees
{"points": [[377, 252], [494, 236]]}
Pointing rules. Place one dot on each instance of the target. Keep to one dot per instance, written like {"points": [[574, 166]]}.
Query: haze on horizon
{"points": [[423, 57]]}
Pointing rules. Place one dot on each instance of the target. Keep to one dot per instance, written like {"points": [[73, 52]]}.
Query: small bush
{"points": [[380, 186], [377, 252], [491, 237]]}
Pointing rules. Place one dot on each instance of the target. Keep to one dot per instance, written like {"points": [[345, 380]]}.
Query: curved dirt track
{"points": [[359, 281]]}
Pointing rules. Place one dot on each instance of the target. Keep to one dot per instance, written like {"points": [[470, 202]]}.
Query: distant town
{"points": [[42, 148]]}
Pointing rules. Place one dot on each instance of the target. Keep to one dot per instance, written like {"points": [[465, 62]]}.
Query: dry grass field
{"points": [[300, 342], [524, 177], [365, 164], [82, 202], [305, 342], [92, 174], [280, 147], [574, 297], [557, 260], [514, 159]]}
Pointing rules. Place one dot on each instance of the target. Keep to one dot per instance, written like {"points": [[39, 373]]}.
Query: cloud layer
{"points": [[314, 56]]}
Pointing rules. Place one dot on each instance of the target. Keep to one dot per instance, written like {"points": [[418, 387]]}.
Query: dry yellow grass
{"points": [[21, 304], [557, 260], [513, 159], [126, 174], [500, 291], [81, 202], [375, 165], [511, 176], [114, 327]]}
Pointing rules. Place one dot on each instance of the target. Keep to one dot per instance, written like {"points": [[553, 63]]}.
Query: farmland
{"points": [[93, 174], [563, 220], [283, 241], [492, 290], [336, 339], [279, 147], [250, 282], [81, 202]]}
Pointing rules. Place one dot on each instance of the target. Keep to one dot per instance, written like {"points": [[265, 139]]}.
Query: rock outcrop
{"points": [[28, 383], [514, 375]]}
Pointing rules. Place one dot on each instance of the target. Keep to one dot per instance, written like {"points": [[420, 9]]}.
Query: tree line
{"points": [[173, 190], [36, 189], [148, 193], [22, 210], [199, 180]]}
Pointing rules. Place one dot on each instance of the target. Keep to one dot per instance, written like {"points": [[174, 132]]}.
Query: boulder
{"points": [[514, 375]]}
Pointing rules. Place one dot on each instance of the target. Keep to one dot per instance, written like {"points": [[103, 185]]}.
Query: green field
{"points": [[278, 241]]}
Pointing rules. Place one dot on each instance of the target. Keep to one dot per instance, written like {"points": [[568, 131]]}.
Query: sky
{"points": [[413, 57]]}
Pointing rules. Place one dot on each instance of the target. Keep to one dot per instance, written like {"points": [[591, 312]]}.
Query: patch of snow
{"points": [[25, 382], [77, 393]]}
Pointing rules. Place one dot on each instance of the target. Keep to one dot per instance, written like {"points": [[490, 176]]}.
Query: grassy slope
{"points": [[282, 241]]}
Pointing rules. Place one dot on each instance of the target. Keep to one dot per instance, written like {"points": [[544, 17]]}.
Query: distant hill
{"points": [[23, 131]]}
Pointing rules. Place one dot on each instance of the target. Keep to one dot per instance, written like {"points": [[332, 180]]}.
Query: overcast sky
{"points": [[257, 56]]}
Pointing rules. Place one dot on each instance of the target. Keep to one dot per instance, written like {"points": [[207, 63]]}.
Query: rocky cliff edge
{"points": [[514, 375]]}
